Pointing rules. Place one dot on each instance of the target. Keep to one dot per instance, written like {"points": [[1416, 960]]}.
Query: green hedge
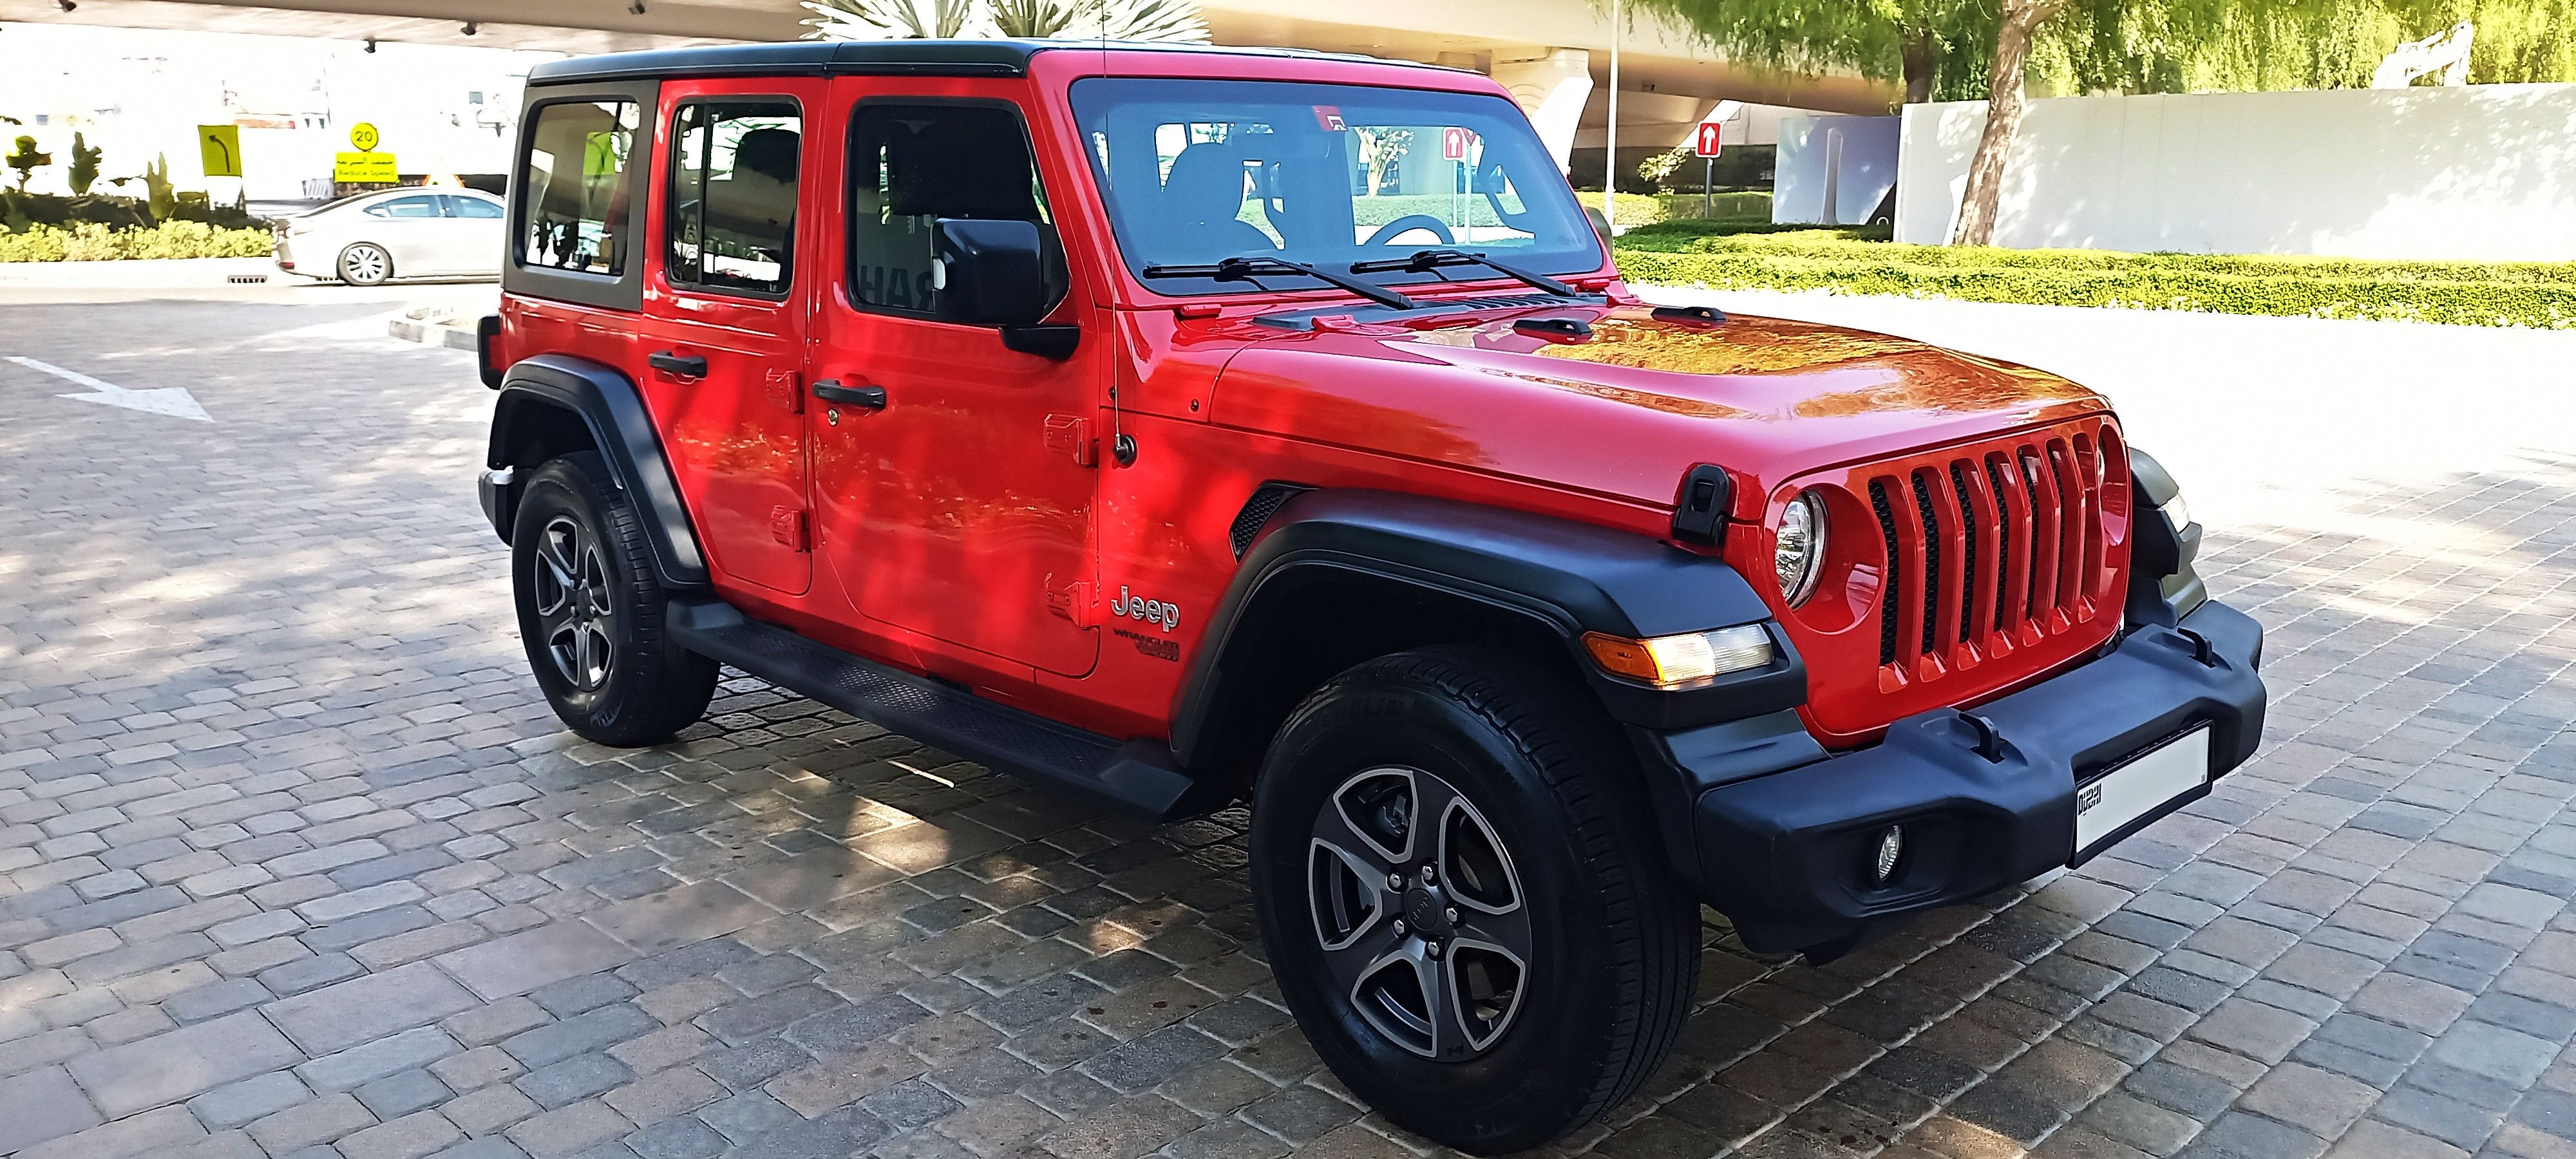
{"points": [[97, 243], [2539, 294]]}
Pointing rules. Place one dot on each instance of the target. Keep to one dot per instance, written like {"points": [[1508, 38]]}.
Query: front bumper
{"points": [[1787, 853]]}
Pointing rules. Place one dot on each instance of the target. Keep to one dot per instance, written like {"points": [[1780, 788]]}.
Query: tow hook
{"points": [[1990, 740]]}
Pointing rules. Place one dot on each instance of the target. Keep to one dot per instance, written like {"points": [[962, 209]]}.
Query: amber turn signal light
{"points": [[1683, 660]]}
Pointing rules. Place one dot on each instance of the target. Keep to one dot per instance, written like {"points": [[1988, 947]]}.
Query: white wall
{"points": [[1856, 173], [2475, 172]]}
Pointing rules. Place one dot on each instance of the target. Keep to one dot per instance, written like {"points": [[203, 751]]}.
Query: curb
{"points": [[431, 327]]}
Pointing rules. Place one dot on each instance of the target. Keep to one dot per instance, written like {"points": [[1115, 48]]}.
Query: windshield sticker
{"points": [[1330, 117]]}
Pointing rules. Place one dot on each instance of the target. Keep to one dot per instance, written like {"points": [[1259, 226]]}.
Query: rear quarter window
{"points": [[578, 195]]}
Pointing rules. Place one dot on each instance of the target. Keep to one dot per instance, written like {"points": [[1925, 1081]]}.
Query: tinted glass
{"points": [[730, 215], [474, 207], [911, 165], [422, 206], [1196, 171], [576, 183]]}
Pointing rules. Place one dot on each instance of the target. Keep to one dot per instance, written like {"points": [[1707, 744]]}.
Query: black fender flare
{"points": [[1563, 577], [608, 403]]}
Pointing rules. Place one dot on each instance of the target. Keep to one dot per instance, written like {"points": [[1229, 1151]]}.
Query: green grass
{"points": [[1744, 255]]}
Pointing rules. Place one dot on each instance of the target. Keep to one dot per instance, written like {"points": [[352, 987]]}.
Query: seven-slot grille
{"points": [[1989, 549]]}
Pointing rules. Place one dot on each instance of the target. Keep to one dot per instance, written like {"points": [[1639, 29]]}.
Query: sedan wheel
{"points": [[366, 264]]}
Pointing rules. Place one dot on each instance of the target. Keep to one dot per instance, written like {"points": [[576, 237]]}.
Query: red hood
{"points": [[1625, 412]]}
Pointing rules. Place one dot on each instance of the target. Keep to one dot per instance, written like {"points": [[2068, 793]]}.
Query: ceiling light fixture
{"points": [[470, 28], [637, 7], [66, 5]]}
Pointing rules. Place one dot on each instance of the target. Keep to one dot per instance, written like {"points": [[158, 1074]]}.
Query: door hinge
{"points": [[788, 525], [783, 390], [1071, 435], [1071, 601]]}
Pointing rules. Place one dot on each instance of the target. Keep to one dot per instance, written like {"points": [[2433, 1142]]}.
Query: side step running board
{"points": [[1138, 775]]}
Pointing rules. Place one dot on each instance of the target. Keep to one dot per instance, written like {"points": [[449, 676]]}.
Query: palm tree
{"points": [[1158, 20]]}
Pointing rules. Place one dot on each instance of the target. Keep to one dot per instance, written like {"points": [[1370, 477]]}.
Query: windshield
{"points": [[1198, 171]]}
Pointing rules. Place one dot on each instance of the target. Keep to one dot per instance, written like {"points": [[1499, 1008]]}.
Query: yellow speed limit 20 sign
{"points": [[366, 166]]}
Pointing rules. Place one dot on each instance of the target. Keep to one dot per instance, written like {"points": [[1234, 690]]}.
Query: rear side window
{"points": [[576, 186], [730, 216], [474, 207], [424, 205], [912, 164]]}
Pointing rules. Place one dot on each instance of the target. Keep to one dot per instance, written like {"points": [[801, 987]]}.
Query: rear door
{"points": [[410, 227], [722, 331], [476, 227]]}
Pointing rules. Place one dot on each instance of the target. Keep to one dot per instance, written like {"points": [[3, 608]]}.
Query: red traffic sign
{"points": [[1455, 142], [1705, 143]]}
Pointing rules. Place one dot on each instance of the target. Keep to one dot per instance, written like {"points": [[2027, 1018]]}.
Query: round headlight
{"points": [[1798, 551]]}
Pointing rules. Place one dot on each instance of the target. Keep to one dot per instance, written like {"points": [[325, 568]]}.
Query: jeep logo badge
{"points": [[1155, 612]]}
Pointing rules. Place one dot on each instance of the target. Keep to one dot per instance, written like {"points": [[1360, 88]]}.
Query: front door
{"points": [[722, 331], [961, 508]]}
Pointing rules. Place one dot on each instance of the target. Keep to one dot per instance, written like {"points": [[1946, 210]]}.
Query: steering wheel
{"points": [[1407, 224]]}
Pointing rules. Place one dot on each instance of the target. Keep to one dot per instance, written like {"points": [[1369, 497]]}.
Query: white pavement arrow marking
{"points": [[169, 401]]}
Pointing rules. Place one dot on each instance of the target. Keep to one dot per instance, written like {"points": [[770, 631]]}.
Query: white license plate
{"points": [[2111, 801]]}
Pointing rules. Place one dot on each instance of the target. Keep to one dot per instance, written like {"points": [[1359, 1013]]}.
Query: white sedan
{"points": [[370, 238]]}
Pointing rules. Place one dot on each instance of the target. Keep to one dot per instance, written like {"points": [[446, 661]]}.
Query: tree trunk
{"points": [[1922, 56], [2004, 109]]}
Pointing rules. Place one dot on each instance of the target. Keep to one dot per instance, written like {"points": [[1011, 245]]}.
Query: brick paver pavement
{"points": [[294, 861]]}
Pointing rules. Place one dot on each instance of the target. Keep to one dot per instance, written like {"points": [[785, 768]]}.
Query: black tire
{"points": [[1614, 943], [365, 264], [597, 645]]}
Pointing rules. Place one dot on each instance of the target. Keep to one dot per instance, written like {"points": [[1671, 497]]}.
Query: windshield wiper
{"points": [[1425, 261], [1244, 269]]}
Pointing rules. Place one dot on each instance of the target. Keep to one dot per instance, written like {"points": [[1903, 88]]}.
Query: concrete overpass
{"points": [[1553, 54]]}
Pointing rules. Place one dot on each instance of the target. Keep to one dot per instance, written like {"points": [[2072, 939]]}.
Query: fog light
{"points": [[1891, 845]]}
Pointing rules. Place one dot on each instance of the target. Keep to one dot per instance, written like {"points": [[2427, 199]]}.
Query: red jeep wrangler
{"points": [[1119, 418]]}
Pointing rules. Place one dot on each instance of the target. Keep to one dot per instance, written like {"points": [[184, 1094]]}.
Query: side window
{"points": [[911, 165], [729, 214], [473, 207], [419, 206], [576, 186]]}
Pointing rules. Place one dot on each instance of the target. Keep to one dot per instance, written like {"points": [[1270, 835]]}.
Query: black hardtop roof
{"points": [[916, 57]]}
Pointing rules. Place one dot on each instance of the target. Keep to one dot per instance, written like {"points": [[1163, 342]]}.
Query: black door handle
{"points": [[669, 363], [831, 390]]}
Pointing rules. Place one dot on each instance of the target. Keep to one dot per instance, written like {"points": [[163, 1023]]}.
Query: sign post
{"points": [[1705, 143], [366, 166]]}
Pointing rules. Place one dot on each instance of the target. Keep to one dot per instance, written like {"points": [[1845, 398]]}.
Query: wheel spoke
{"points": [[1486, 983], [1363, 954], [1348, 891], [1479, 873], [1381, 810], [1334, 829], [1449, 1037]]}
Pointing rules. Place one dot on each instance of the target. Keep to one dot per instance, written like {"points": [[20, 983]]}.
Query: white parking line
{"points": [[169, 401]]}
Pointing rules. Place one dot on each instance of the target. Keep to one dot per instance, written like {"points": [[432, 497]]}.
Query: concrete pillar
{"points": [[1552, 88]]}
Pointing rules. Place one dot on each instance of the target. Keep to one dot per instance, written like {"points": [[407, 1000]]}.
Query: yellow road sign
{"points": [[219, 146], [363, 168], [362, 137]]}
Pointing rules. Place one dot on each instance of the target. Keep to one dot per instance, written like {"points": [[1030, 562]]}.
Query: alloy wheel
{"points": [[365, 265], [573, 609], [1421, 916]]}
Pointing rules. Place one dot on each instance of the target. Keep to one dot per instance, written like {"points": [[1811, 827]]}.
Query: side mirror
{"points": [[989, 272]]}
